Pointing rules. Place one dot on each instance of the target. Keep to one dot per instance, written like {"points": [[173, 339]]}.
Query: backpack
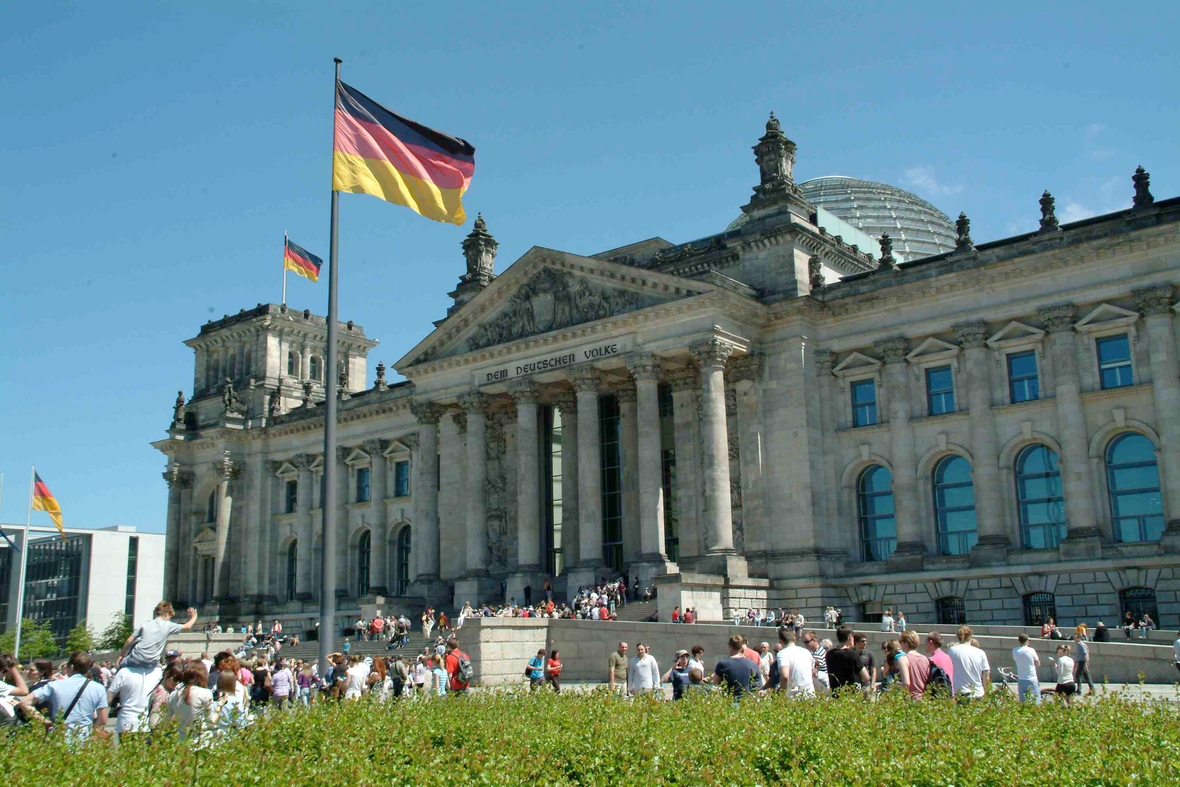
{"points": [[464, 672], [939, 683]]}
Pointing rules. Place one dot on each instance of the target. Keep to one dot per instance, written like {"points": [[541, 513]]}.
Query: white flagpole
{"points": [[24, 559], [284, 267]]}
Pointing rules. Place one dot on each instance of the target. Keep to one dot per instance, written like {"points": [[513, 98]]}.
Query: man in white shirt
{"points": [[887, 620], [972, 673], [643, 674], [1027, 661], [797, 668]]}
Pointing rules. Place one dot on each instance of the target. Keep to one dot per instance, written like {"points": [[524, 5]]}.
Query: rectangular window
{"points": [[54, 580], [1114, 361], [401, 479], [665, 399], [864, 403], [612, 481], [1023, 385], [291, 490], [132, 569], [671, 516], [362, 484], [940, 390]]}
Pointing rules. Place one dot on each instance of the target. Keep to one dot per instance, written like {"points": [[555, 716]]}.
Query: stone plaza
{"points": [[769, 416]]}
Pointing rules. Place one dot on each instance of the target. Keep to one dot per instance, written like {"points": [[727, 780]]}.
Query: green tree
{"points": [[36, 641], [115, 634], [81, 638]]}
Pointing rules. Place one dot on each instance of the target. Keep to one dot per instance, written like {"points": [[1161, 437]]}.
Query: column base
{"points": [[1082, 544], [724, 564], [990, 550], [527, 576], [702, 592], [582, 576], [474, 589], [1170, 540], [909, 556], [652, 566], [303, 595]]}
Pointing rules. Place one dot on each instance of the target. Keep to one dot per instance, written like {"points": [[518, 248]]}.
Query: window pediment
{"points": [[396, 449], [1104, 317], [932, 350], [287, 471], [1015, 334], [856, 364], [357, 458]]}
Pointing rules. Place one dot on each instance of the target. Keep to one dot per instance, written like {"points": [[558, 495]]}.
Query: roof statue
{"points": [[887, 263], [178, 411], [963, 229], [1142, 181], [1048, 215]]}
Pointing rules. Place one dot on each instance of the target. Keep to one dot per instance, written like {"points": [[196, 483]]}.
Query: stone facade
{"points": [[759, 377]]}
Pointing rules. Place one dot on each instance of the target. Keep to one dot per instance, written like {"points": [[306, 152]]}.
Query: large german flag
{"points": [[43, 500], [377, 152], [298, 259]]}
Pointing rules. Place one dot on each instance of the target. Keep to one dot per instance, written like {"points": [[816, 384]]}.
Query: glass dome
{"points": [[918, 228]]}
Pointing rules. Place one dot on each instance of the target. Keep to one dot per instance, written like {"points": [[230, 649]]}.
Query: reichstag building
{"points": [[841, 399]]}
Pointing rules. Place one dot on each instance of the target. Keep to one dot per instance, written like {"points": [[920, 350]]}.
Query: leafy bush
{"points": [[505, 738], [36, 641], [81, 637], [116, 632]]}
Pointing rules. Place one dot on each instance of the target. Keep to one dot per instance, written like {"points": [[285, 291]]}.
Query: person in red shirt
{"points": [[751, 654], [688, 618], [457, 687], [553, 671], [676, 614]]}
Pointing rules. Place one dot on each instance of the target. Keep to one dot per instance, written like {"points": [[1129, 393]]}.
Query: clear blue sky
{"points": [[153, 155]]}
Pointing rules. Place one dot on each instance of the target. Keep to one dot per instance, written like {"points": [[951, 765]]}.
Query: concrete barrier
{"points": [[501, 647]]}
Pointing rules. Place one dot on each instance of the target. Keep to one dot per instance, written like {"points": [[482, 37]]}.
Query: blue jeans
{"points": [[1029, 691]]}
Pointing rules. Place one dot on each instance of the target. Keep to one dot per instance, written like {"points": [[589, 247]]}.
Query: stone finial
{"points": [[524, 391], [1058, 318], [427, 413], [963, 227], [380, 385], [307, 314], [1142, 181], [274, 405], [887, 262], [178, 411], [891, 350], [585, 378], [479, 248], [815, 273], [474, 403], [1048, 213], [342, 385], [307, 393], [711, 353], [971, 334], [825, 360], [775, 155], [644, 367], [1155, 300]]}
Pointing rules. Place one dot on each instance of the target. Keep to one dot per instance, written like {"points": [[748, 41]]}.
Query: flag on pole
{"points": [[43, 500], [377, 152], [298, 259]]}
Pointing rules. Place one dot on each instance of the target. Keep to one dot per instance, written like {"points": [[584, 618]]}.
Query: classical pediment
{"points": [[932, 350], [548, 291], [1106, 316], [857, 363], [1015, 333]]}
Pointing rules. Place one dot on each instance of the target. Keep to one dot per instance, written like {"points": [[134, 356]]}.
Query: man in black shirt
{"points": [[845, 667], [860, 644], [736, 672]]}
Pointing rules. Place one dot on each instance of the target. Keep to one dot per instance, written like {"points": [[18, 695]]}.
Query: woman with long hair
{"points": [[192, 703]]}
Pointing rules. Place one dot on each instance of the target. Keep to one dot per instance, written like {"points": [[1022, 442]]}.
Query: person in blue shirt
{"points": [[536, 670], [347, 646], [90, 710]]}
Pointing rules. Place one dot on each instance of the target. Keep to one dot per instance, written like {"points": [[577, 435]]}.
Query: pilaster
{"points": [[989, 512], [911, 541]]}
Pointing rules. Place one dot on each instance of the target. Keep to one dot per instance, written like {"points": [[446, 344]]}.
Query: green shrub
{"points": [[116, 632], [36, 641], [504, 738], [81, 638]]}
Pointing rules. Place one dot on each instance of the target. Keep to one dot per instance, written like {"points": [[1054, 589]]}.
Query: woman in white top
{"points": [[1064, 664], [420, 672], [192, 705], [230, 712]]}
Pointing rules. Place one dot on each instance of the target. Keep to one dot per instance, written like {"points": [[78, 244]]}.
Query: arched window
{"points": [[403, 561], [874, 506], [315, 368], [1136, 508], [292, 567], [292, 363], [1038, 496], [949, 611], [362, 564], [1039, 608], [954, 506], [1139, 602], [211, 507]]}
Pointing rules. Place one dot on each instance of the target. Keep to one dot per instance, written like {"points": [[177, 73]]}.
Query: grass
{"points": [[510, 738]]}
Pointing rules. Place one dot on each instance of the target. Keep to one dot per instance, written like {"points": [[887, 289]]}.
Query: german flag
{"points": [[43, 500], [388, 156], [298, 259]]}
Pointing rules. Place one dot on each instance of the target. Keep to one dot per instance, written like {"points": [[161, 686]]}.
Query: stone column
{"points": [[528, 489], [304, 570], [379, 565], [1156, 305], [226, 471], [629, 470], [425, 532], [711, 356], [746, 375], [989, 505], [567, 403], [174, 477], [1083, 539], [685, 386], [305, 362], [645, 368], [475, 405], [911, 540], [586, 381], [257, 544]]}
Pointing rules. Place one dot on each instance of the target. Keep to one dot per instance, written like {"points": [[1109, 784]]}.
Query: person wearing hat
{"points": [[678, 675]]}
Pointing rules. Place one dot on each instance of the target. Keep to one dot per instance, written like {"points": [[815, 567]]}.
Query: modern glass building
{"points": [[918, 228]]}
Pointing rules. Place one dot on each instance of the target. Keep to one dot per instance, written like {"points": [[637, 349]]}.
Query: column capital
{"points": [[474, 403], [411, 439], [971, 335], [744, 367], [627, 393], [460, 419], [427, 413], [644, 366], [375, 447], [586, 379], [1154, 300], [303, 461], [524, 391], [711, 353], [342, 452], [892, 350], [1058, 318], [226, 468], [684, 379], [177, 478], [567, 402], [825, 360]]}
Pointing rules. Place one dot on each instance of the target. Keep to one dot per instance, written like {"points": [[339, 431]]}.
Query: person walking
{"points": [[820, 654], [678, 675], [553, 671], [1081, 669], [616, 666], [438, 676], [938, 657], [1027, 661], [282, 683], [1066, 684], [643, 674], [535, 670], [458, 667]]}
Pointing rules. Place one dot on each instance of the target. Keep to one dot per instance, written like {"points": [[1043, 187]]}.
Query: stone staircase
{"points": [[637, 611]]}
